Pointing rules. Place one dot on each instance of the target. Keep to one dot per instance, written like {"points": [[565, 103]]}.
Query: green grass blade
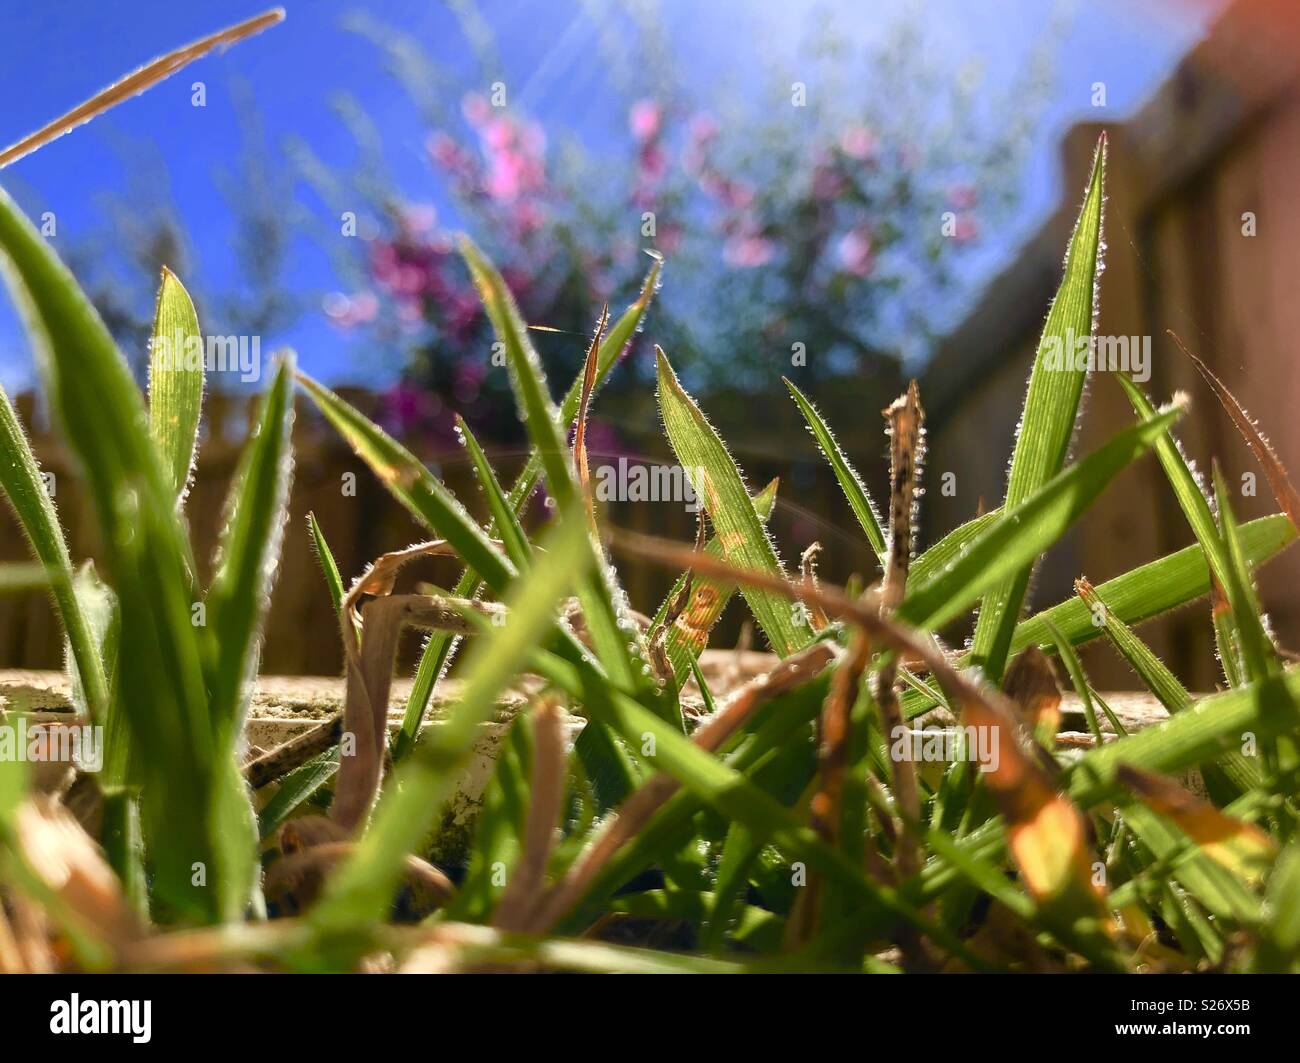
{"points": [[1051, 408], [328, 566], [20, 577], [1150, 669], [721, 490], [849, 481], [504, 521], [186, 779], [617, 640], [1211, 727], [1258, 654], [1153, 588], [248, 554], [499, 832], [1187, 489], [175, 380], [1022, 532], [295, 788], [414, 486], [20, 478], [611, 348], [949, 548], [727, 791]]}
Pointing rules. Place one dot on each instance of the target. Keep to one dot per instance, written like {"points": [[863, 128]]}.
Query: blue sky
{"points": [[53, 55]]}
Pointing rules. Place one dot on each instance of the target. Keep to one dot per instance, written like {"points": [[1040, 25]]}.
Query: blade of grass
{"points": [[1153, 588], [248, 555], [1258, 654], [1274, 471], [329, 568], [1187, 489], [849, 481], [295, 788], [137, 82], [175, 380], [720, 488], [161, 685], [504, 521], [414, 486], [615, 636], [1051, 408], [20, 478]]}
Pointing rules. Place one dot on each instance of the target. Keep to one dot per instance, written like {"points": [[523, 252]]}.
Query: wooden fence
{"points": [[360, 519], [1202, 229]]}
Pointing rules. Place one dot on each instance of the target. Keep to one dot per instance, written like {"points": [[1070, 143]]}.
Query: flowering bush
{"points": [[819, 227]]}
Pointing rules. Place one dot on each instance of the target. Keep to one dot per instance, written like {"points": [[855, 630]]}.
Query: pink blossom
{"points": [[469, 378], [966, 229], [703, 129], [858, 142], [855, 252], [349, 311], [645, 119], [747, 251], [963, 196], [418, 217], [475, 108], [669, 238]]}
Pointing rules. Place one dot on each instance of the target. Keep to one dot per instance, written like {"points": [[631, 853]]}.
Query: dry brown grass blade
{"points": [[826, 803], [628, 820], [137, 82], [808, 570], [1030, 684], [62, 857], [906, 430], [546, 799], [1048, 837], [1239, 846], [370, 635], [1274, 471]]}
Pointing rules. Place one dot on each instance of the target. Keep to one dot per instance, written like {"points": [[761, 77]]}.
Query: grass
{"points": [[781, 827]]}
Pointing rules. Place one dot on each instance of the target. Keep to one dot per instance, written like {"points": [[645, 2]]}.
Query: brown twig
{"points": [[278, 762]]}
